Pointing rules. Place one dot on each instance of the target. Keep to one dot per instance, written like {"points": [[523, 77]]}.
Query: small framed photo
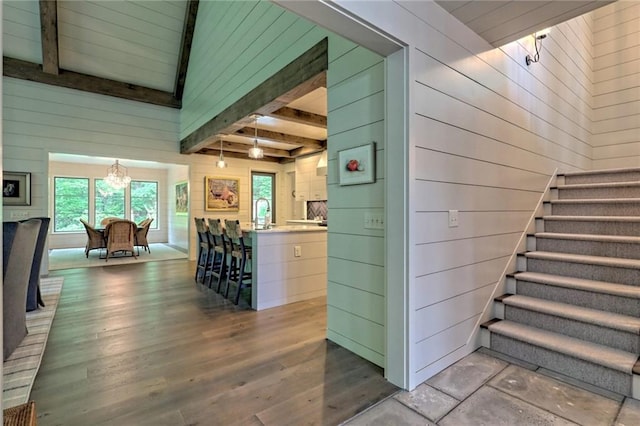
{"points": [[182, 198], [222, 194], [357, 165], [16, 189]]}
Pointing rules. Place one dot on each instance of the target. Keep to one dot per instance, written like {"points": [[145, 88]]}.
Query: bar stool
{"points": [[204, 250], [240, 254], [220, 251]]}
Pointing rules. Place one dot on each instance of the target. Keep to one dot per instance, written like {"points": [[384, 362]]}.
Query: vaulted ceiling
{"points": [[139, 50]]}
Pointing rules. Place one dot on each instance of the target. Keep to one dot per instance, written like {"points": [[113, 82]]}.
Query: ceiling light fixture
{"points": [[537, 41], [256, 152], [117, 177], [221, 164]]}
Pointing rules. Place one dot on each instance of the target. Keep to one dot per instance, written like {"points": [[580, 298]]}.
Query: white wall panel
{"points": [[21, 30]]}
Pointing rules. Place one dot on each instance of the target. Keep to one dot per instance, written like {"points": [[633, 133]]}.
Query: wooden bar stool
{"points": [[240, 255], [220, 251], [204, 250]]}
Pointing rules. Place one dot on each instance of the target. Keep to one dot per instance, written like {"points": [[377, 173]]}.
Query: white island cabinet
{"points": [[289, 264]]}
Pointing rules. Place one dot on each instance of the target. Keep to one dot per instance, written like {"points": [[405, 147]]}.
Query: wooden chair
{"points": [[107, 220], [141, 235], [95, 238], [240, 255], [204, 249], [120, 235], [220, 250]]}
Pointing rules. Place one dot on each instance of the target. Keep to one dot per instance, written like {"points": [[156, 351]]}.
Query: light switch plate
{"points": [[453, 218], [297, 251], [373, 220]]}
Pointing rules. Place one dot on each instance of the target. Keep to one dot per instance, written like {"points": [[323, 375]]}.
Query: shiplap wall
{"points": [[486, 132], [616, 100], [21, 30], [236, 46]]}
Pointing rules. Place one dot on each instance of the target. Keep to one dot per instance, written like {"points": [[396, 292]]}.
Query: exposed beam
{"points": [[300, 117], [303, 75], [281, 137], [242, 156], [244, 148], [185, 47], [304, 151], [29, 71], [49, 35]]}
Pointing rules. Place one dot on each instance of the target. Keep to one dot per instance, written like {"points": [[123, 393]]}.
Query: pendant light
{"points": [[221, 164], [256, 152]]}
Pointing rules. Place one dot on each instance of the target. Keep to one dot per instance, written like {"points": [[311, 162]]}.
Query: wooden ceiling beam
{"points": [[29, 71], [303, 75], [305, 150], [244, 148], [300, 117], [240, 155], [49, 36], [185, 47], [279, 137]]}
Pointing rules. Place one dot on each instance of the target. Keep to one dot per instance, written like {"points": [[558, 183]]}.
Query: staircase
{"points": [[574, 305]]}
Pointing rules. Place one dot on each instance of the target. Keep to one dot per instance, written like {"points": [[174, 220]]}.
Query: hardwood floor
{"points": [[144, 345]]}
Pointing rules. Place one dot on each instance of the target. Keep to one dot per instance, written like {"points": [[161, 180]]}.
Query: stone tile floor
{"points": [[486, 388]]}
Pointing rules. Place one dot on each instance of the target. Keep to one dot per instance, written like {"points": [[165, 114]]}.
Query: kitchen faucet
{"points": [[267, 215]]}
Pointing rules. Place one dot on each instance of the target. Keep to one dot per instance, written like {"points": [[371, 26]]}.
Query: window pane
{"points": [[263, 186], [109, 202], [71, 203], [144, 202]]}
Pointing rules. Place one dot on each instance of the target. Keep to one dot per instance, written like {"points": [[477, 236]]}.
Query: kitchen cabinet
{"points": [[310, 186]]}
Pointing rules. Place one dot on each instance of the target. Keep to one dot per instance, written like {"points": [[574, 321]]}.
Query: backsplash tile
{"points": [[316, 208]]}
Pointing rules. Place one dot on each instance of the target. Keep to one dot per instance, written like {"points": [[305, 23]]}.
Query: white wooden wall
{"points": [[616, 100], [486, 132]]}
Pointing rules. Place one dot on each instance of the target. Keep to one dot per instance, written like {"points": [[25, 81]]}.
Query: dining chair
{"points": [[120, 235], [204, 249], [95, 238], [142, 230], [241, 254]]}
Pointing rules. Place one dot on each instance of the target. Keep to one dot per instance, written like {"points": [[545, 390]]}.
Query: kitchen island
{"points": [[289, 264]]}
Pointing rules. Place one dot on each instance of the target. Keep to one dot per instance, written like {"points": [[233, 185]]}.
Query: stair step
{"points": [[599, 190], [585, 259], [608, 368], [588, 244], [603, 287], [593, 325], [581, 218], [596, 206], [600, 225], [608, 175], [630, 184]]}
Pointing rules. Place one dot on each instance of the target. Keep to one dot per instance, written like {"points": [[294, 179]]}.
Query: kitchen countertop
{"points": [[288, 228], [303, 221]]}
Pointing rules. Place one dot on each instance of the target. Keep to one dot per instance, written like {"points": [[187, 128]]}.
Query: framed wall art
{"points": [[182, 198], [16, 189], [222, 194], [357, 165]]}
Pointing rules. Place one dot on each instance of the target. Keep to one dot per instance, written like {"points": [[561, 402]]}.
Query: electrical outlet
{"points": [[19, 214], [297, 251], [373, 220], [453, 218]]}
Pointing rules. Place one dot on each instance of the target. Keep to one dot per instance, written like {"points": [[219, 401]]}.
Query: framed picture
{"points": [[182, 198], [222, 194], [16, 189], [357, 165]]}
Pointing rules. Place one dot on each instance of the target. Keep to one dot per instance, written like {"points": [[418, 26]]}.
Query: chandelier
{"points": [[256, 152], [117, 177]]}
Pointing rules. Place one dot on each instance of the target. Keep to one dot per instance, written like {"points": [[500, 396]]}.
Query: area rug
{"points": [[75, 258], [20, 369]]}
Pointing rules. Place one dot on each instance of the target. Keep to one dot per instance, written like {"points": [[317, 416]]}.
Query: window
{"points": [[144, 201], [263, 185], [108, 202], [71, 203]]}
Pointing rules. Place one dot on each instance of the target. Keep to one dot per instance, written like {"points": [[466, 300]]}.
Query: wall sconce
{"points": [[537, 41]]}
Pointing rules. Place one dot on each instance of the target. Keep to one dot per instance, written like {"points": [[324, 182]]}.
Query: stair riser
{"points": [[591, 248], [631, 229], [596, 209], [586, 271], [585, 299], [630, 176], [590, 193], [580, 330], [597, 375]]}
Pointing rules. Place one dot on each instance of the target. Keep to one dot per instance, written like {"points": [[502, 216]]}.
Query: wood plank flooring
{"points": [[142, 344]]}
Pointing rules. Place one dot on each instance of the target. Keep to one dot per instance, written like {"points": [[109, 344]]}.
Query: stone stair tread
{"points": [[598, 185], [597, 354], [596, 201], [585, 259], [610, 320], [600, 171], [589, 237], [592, 218], [615, 289]]}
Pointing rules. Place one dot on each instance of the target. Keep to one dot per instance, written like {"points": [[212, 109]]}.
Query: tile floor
{"points": [[486, 388]]}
